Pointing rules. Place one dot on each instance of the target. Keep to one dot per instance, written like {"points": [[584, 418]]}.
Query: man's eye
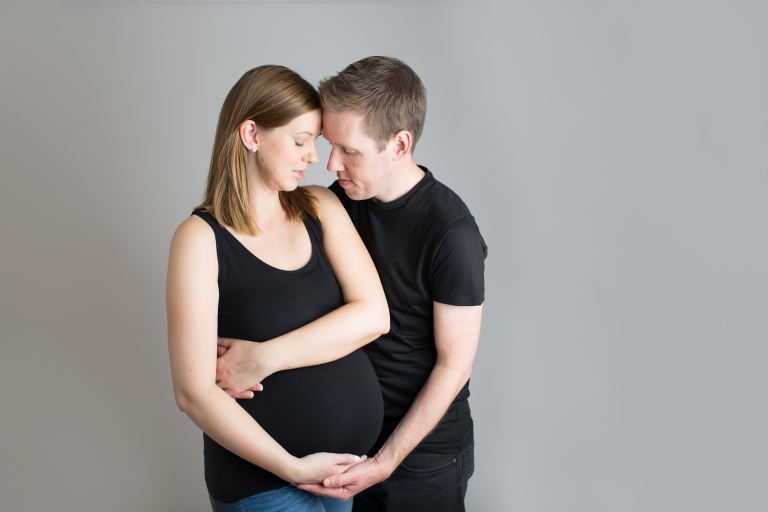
{"points": [[347, 152]]}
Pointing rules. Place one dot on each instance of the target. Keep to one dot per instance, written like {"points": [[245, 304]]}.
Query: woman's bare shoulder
{"points": [[320, 192], [193, 234], [327, 200]]}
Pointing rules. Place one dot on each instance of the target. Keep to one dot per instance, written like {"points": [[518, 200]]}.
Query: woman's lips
{"points": [[298, 174]]}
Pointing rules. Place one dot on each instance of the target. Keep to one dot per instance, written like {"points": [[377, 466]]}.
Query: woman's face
{"points": [[284, 153]]}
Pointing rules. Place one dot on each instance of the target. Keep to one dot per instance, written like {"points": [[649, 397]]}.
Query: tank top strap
{"points": [[207, 217], [315, 231], [219, 233]]}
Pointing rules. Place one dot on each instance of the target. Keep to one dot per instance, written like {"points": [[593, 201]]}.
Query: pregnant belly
{"points": [[334, 407]]}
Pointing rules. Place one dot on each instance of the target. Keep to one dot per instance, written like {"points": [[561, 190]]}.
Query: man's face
{"points": [[362, 170]]}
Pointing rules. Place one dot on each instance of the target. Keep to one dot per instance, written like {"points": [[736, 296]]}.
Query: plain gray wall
{"points": [[615, 157]]}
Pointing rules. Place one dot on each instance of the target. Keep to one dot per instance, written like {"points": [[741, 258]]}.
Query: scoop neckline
{"points": [[306, 266]]}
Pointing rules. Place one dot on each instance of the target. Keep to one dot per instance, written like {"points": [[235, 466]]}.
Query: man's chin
{"points": [[352, 191]]}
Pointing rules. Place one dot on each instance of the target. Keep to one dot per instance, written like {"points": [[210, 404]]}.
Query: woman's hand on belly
{"points": [[316, 467]]}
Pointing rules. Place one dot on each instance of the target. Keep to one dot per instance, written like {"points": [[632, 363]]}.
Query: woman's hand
{"points": [[241, 367], [318, 466]]}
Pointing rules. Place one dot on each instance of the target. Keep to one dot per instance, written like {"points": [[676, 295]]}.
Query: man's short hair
{"points": [[385, 91]]}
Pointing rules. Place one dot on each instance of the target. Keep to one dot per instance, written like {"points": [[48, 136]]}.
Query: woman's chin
{"points": [[290, 186]]}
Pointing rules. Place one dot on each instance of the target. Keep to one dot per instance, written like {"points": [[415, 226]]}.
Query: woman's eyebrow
{"points": [[301, 133]]}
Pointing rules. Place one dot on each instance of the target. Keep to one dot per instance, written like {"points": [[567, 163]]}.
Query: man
{"points": [[430, 257]]}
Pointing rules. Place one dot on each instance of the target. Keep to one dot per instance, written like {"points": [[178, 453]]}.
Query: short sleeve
{"points": [[458, 265]]}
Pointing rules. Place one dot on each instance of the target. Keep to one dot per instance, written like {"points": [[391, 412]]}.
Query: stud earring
{"points": [[253, 149]]}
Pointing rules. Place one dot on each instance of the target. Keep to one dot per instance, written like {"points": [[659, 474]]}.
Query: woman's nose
{"points": [[312, 157]]}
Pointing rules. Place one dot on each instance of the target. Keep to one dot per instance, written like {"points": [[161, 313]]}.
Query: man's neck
{"points": [[403, 180]]}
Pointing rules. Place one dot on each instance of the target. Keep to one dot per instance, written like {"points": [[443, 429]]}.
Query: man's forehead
{"points": [[346, 117], [343, 124]]}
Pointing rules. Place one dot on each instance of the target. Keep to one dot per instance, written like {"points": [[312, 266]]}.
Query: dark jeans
{"points": [[424, 482]]}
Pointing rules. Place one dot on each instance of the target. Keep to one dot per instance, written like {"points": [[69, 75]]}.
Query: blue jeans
{"points": [[285, 499], [424, 482]]}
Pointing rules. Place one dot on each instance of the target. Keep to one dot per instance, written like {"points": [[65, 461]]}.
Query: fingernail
{"points": [[357, 458]]}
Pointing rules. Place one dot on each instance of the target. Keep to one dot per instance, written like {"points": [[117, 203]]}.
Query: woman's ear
{"points": [[249, 135]]}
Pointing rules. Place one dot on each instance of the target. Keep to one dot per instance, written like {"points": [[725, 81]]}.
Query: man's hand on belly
{"points": [[357, 478], [240, 367]]}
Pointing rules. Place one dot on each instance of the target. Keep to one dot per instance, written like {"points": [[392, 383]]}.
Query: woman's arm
{"points": [[363, 318], [192, 296]]}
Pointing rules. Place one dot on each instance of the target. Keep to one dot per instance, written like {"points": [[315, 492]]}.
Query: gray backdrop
{"points": [[613, 153]]}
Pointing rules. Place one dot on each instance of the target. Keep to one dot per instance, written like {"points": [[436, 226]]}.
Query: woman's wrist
{"points": [[261, 360], [290, 468], [271, 357]]}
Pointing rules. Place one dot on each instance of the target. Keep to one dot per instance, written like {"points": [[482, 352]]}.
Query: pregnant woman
{"points": [[282, 266]]}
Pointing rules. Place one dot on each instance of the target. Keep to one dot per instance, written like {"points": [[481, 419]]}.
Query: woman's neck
{"points": [[265, 203]]}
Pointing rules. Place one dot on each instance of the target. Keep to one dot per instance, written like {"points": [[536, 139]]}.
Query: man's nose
{"points": [[334, 162]]}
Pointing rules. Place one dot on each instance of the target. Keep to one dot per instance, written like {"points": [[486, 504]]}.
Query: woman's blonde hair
{"points": [[270, 96]]}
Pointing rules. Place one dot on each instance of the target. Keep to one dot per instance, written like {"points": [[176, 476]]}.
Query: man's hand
{"points": [[317, 466], [239, 369], [357, 478]]}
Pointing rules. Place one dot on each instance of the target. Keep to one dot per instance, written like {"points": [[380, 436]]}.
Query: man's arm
{"points": [[457, 331]]}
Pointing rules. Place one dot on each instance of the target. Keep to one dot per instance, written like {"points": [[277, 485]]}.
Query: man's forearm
{"points": [[457, 331], [444, 383]]}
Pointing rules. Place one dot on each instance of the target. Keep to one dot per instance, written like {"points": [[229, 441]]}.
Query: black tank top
{"points": [[334, 407]]}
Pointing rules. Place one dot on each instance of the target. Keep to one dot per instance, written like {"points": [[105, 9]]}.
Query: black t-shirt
{"points": [[426, 247]]}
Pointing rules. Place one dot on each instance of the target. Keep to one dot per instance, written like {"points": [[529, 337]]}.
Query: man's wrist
{"points": [[386, 464]]}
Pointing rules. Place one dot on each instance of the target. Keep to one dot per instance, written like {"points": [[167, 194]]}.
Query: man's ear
{"points": [[403, 143], [249, 135]]}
